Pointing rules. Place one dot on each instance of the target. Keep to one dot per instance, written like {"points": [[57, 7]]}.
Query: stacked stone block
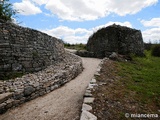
{"points": [[26, 50], [118, 39]]}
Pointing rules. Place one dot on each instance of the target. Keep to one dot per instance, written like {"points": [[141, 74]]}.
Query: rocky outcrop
{"points": [[116, 38], [26, 50]]}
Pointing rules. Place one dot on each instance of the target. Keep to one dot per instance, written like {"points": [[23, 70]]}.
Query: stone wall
{"points": [[16, 91], [42, 58], [26, 50], [116, 38], [84, 53]]}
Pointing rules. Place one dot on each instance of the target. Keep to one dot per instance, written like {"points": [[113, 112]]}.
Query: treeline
{"points": [[75, 46], [154, 48]]}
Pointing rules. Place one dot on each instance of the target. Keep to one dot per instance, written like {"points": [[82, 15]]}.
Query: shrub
{"points": [[75, 46], [6, 10], [156, 50], [148, 46]]}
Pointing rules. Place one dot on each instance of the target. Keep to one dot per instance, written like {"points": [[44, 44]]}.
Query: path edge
{"points": [[88, 97]]}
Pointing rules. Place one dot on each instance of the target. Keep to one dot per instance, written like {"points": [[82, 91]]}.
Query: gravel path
{"points": [[61, 104]]}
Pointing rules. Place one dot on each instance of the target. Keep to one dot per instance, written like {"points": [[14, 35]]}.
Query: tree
{"points": [[156, 50], [6, 10]]}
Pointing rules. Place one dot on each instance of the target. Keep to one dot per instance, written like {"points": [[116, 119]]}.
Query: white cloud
{"points": [[124, 7], [69, 35], [80, 10], [127, 24], [40, 2], [76, 10], [151, 35], [79, 35], [154, 22], [26, 8]]}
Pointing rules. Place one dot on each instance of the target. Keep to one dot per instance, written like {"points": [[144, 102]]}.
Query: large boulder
{"points": [[116, 38]]}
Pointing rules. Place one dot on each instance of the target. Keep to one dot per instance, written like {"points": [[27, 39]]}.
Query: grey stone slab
{"points": [[93, 81], [5, 96], [87, 116], [88, 100], [86, 107], [90, 86], [97, 74], [88, 94]]}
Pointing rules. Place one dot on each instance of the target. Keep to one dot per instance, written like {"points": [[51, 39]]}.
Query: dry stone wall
{"points": [[116, 38], [26, 50], [16, 91]]}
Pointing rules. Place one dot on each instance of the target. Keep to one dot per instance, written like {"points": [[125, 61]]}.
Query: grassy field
{"points": [[131, 87], [75, 46], [143, 76]]}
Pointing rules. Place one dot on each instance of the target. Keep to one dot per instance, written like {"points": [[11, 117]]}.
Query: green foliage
{"points": [[142, 76], [12, 75], [75, 46], [6, 10], [148, 46], [156, 50]]}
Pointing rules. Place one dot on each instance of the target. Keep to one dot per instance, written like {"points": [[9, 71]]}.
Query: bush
{"points": [[6, 10], [75, 46], [156, 50], [148, 46]]}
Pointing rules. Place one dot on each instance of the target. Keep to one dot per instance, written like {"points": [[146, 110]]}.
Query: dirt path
{"points": [[61, 104]]}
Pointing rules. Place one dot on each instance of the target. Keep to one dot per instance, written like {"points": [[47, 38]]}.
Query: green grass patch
{"points": [[142, 75], [75, 46]]}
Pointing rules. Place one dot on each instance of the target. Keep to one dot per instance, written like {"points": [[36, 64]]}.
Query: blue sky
{"points": [[74, 21]]}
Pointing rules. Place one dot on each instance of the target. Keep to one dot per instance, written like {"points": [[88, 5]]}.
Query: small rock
{"points": [[86, 107], [102, 83], [88, 100], [46, 112], [93, 81], [28, 90], [5, 96], [113, 56], [88, 91], [96, 74], [88, 94], [87, 116], [91, 86]]}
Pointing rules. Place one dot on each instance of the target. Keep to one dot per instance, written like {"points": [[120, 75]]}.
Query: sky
{"points": [[74, 21]]}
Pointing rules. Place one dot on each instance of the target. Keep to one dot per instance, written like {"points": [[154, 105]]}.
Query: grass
{"points": [[143, 76], [131, 87], [75, 46]]}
